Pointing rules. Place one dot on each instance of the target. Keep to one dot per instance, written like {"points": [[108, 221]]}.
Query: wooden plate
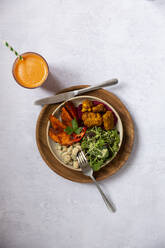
{"points": [[106, 171]]}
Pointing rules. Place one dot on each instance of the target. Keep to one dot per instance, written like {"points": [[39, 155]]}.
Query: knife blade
{"points": [[66, 96], [56, 98]]}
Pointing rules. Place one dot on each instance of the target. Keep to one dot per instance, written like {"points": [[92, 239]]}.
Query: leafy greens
{"points": [[100, 145]]}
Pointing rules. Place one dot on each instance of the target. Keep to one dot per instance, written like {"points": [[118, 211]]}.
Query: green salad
{"points": [[100, 145]]}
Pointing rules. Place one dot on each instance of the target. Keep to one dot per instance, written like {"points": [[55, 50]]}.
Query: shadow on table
{"points": [[52, 84], [56, 78]]}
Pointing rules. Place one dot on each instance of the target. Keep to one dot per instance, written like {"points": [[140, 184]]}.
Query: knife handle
{"points": [[97, 86]]}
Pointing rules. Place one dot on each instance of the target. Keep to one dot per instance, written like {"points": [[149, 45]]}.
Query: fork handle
{"points": [[107, 202]]}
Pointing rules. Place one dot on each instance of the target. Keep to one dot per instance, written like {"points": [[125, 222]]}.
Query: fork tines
{"points": [[82, 161]]}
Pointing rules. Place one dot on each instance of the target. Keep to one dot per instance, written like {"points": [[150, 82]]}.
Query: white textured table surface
{"points": [[83, 42]]}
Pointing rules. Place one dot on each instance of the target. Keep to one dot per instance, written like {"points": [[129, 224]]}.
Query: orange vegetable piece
{"points": [[71, 109], [66, 117], [53, 135], [56, 123], [66, 139], [108, 120], [61, 137]]}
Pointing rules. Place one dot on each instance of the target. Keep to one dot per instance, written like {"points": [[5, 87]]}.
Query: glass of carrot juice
{"points": [[31, 71]]}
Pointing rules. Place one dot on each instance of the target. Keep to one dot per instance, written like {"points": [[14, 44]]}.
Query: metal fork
{"points": [[88, 171]]}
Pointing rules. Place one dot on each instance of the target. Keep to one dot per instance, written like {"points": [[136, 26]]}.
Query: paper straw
{"points": [[12, 49]]}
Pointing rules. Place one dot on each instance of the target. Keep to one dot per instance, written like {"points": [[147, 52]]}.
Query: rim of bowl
{"points": [[78, 97], [18, 81]]}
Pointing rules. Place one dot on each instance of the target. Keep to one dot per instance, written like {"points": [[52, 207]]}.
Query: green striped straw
{"points": [[12, 49]]}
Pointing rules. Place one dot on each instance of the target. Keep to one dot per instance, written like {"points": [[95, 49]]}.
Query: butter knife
{"points": [[66, 96]]}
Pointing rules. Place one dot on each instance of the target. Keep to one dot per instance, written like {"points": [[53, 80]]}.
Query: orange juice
{"points": [[32, 71]]}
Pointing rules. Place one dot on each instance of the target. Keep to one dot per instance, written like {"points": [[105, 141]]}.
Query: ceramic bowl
{"points": [[77, 101]]}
